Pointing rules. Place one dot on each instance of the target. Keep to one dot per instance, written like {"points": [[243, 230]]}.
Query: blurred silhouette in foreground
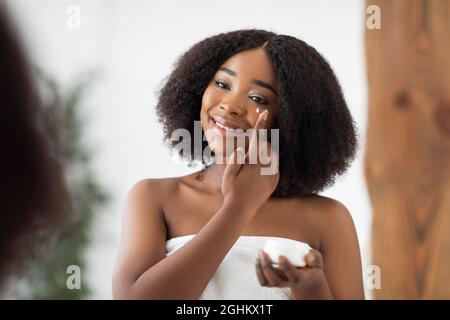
{"points": [[32, 189]]}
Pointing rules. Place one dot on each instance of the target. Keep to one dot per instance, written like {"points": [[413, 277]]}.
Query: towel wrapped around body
{"points": [[236, 279]]}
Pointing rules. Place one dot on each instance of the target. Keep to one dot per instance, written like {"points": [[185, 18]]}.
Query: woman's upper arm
{"points": [[341, 254], [143, 236]]}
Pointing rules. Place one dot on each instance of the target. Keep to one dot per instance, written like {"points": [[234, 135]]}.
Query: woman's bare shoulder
{"points": [[322, 204], [324, 214], [155, 186], [160, 188]]}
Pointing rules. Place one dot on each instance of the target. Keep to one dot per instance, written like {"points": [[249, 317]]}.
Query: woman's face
{"points": [[243, 87]]}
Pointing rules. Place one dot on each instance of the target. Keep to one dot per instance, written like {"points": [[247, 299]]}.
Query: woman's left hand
{"points": [[289, 275]]}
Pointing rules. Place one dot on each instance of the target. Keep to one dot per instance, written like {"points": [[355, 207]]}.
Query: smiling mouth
{"points": [[225, 127], [224, 130]]}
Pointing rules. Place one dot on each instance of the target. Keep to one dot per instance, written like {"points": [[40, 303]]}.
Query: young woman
{"points": [[201, 235]]}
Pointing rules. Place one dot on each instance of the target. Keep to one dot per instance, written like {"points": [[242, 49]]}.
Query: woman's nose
{"points": [[231, 110], [233, 106]]}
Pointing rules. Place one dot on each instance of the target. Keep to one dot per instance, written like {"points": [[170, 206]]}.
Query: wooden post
{"points": [[407, 150]]}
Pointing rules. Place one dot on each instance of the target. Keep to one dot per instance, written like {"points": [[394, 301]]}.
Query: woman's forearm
{"points": [[185, 273]]}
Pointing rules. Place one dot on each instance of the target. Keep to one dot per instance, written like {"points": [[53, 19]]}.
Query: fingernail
{"points": [[311, 258], [261, 255]]}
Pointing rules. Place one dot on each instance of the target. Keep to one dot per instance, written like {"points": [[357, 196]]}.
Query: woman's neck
{"points": [[213, 175]]}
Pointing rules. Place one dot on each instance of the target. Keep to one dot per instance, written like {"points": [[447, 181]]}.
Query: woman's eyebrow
{"points": [[254, 81]]}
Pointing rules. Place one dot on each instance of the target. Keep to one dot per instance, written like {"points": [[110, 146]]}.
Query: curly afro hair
{"points": [[317, 135], [33, 191]]}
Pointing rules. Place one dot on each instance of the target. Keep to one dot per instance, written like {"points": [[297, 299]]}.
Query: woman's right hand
{"points": [[243, 184]]}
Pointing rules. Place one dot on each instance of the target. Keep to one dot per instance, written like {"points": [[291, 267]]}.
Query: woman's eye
{"points": [[259, 100], [221, 84]]}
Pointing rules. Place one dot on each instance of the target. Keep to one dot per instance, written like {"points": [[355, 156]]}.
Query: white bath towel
{"points": [[236, 276]]}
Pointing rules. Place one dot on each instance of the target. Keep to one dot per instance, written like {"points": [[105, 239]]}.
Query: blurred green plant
{"points": [[47, 278]]}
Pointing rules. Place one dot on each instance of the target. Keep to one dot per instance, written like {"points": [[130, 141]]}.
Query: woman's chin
{"points": [[222, 153]]}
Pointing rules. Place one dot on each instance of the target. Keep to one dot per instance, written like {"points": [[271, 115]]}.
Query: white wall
{"points": [[134, 43]]}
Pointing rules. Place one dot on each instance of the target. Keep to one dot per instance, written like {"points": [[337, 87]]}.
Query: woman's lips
{"points": [[223, 122], [216, 129], [221, 131]]}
